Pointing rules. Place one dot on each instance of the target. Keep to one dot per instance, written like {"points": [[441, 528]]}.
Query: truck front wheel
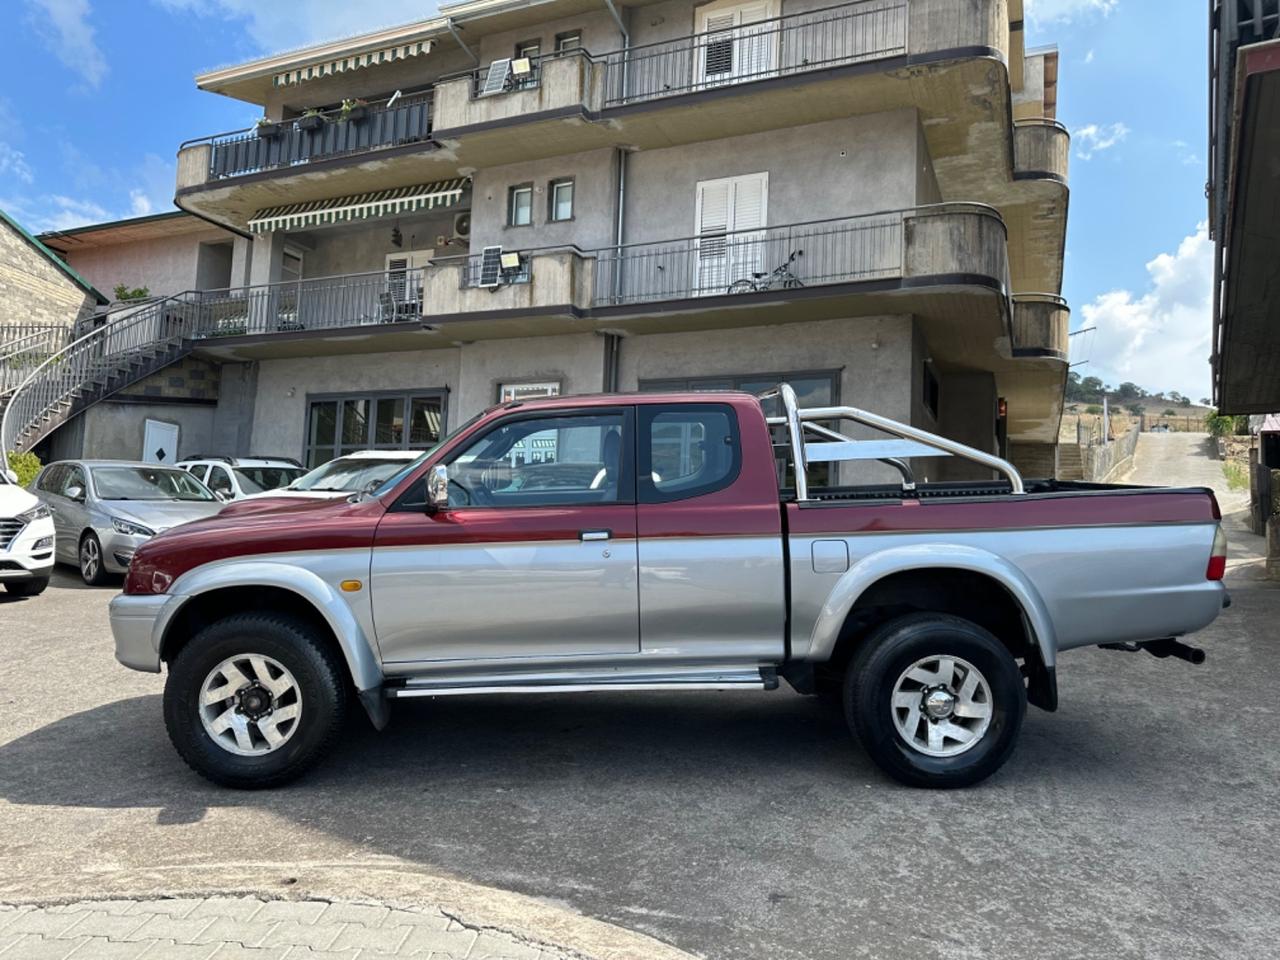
{"points": [[936, 701], [254, 700]]}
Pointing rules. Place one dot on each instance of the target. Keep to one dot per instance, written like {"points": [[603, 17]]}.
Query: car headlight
{"points": [[131, 529], [38, 512]]}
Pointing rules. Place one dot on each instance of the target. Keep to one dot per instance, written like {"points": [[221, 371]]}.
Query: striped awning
{"points": [[361, 206], [327, 68]]}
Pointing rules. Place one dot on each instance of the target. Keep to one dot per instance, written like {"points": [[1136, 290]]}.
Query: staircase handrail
{"points": [[76, 350]]}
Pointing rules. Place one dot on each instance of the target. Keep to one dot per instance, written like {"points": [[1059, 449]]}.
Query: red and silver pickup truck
{"points": [[675, 541]]}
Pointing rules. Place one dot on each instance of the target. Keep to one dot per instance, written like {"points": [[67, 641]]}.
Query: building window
{"points": [[560, 200], [344, 423], [813, 389], [507, 392], [520, 205], [930, 386], [568, 41]]}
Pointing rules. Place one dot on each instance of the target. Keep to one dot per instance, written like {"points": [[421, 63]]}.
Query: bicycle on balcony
{"points": [[779, 278]]}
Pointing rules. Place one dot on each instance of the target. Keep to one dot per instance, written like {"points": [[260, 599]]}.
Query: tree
{"points": [[1073, 392], [1134, 408], [1185, 402], [1129, 391], [1169, 412], [124, 292], [1090, 388], [1206, 402]]}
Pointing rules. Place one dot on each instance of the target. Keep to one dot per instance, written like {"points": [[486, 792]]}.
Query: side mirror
{"points": [[438, 488], [223, 495], [74, 493]]}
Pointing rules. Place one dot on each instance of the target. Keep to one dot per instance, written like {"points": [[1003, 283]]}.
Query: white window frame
{"points": [[742, 35], [553, 205], [508, 392], [512, 192], [741, 243]]}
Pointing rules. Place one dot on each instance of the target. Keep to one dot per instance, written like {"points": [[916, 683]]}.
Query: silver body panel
{"points": [[712, 596], [1077, 586], [505, 599]]}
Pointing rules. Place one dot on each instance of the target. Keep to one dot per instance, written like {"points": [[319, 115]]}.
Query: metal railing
{"points": [[247, 151], [815, 253], [472, 272], [94, 359], [321, 303], [795, 43], [19, 355]]}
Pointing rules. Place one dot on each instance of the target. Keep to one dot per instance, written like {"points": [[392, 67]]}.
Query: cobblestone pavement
{"points": [[246, 928]]}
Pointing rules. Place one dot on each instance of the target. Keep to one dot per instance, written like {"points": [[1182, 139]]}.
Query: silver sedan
{"points": [[104, 509]]}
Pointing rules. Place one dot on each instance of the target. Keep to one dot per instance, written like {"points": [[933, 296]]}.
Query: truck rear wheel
{"points": [[936, 701], [254, 700]]}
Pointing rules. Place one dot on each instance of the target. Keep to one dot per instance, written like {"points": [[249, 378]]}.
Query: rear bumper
{"points": [[137, 625]]}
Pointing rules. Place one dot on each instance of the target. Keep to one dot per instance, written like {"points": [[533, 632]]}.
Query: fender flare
{"points": [[941, 556], [362, 661]]}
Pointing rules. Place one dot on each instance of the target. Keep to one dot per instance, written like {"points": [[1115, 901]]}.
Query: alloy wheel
{"points": [[90, 558], [250, 705], [941, 706]]}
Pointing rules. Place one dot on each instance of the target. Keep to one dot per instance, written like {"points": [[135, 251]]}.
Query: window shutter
{"points": [[718, 55], [749, 201]]}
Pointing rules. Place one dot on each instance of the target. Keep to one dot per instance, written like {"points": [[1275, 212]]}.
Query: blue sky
{"points": [[96, 95]]}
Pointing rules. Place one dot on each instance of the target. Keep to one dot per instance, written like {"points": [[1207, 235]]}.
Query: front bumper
{"points": [[118, 548], [30, 554], [137, 624]]}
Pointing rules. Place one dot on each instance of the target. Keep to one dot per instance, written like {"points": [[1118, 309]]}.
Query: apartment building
{"points": [[867, 199]]}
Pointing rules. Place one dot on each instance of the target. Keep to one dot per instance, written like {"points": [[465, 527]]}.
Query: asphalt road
{"points": [[1138, 821]]}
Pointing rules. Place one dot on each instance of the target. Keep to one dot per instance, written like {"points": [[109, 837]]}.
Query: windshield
{"points": [[412, 465], [347, 474], [147, 483], [258, 479]]}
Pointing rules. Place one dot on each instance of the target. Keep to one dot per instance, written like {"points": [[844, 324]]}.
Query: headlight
{"points": [[38, 512], [131, 529]]}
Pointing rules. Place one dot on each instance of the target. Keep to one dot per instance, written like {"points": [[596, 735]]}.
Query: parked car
{"points": [[234, 478], [103, 510], [348, 474], [937, 611], [26, 538]]}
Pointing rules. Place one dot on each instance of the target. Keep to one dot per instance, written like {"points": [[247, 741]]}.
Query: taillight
{"points": [[1218, 558]]}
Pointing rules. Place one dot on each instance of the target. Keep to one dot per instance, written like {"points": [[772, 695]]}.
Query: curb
{"points": [[528, 919]]}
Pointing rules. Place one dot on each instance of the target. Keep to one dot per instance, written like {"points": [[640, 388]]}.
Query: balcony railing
{"points": [[796, 43], [321, 303], [289, 143], [816, 253]]}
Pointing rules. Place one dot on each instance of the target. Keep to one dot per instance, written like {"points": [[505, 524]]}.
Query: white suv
{"points": [[26, 539], [234, 478]]}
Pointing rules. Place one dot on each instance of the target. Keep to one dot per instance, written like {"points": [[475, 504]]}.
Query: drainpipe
{"points": [[453, 29]]}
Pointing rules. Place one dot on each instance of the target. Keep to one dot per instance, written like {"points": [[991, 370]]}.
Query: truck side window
{"points": [[687, 451], [555, 460]]}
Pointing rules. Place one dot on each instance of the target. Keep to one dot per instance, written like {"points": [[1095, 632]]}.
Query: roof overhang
{"points": [[1247, 378], [133, 230]]}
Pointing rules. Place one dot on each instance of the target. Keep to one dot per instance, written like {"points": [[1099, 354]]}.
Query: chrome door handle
{"points": [[586, 535]]}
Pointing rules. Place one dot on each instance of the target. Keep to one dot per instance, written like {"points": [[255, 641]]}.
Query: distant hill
{"points": [[1130, 398]]}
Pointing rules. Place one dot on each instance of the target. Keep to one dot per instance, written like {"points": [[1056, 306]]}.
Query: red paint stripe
{"points": [[1004, 514]]}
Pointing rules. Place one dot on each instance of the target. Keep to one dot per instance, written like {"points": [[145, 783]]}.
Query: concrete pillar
{"points": [[266, 258], [241, 255], [233, 416]]}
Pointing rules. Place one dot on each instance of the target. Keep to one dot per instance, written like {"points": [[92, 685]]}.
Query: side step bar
{"points": [[733, 678]]}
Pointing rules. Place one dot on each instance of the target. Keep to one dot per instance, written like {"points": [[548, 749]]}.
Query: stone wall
{"points": [[33, 289]]}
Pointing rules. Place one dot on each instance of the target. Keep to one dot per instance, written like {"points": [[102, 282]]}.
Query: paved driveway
{"points": [[1138, 821]]}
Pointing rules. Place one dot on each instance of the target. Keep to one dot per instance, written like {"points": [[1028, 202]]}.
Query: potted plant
{"points": [[267, 128], [311, 119], [355, 110]]}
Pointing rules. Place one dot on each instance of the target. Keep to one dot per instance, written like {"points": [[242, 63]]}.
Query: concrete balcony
{"points": [[1041, 322], [561, 84], [555, 283], [1041, 150]]}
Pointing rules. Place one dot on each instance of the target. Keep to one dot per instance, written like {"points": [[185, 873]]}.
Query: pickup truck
{"points": [[665, 541]]}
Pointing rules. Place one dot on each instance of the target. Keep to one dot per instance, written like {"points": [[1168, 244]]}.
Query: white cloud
{"points": [[146, 189], [53, 212], [276, 26], [64, 27], [1095, 138], [1064, 11], [1161, 339], [13, 163], [1088, 57]]}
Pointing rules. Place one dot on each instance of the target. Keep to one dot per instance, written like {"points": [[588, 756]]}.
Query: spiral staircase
{"points": [[38, 397]]}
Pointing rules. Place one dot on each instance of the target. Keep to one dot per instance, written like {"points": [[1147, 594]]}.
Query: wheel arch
{"points": [[208, 592], [942, 578]]}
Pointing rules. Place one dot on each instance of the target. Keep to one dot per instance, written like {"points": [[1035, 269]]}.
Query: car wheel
{"points": [[27, 588], [936, 701], [254, 700], [92, 570]]}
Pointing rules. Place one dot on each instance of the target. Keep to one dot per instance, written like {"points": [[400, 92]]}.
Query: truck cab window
{"points": [[687, 451]]}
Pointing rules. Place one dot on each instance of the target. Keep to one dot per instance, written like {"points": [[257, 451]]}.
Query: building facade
{"points": [[867, 199]]}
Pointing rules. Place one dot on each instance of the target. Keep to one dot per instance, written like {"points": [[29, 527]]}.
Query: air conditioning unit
{"points": [[462, 226]]}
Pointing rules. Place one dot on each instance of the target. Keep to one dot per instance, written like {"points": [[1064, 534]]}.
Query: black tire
{"points": [[27, 588], [322, 685], [887, 654], [94, 574]]}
